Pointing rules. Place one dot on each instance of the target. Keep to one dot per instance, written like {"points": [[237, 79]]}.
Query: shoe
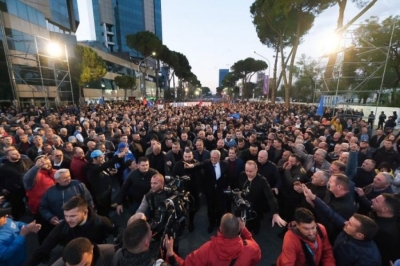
{"points": [[191, 227], [210, 229]]}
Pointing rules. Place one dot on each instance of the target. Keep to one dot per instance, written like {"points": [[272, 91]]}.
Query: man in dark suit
{"points": [[215, 180], [200, 154], [190, 167], [58, 161]]}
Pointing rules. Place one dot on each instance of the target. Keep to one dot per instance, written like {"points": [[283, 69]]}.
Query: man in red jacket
{"points": [[306, 242], [78, 164], [233, 245]]}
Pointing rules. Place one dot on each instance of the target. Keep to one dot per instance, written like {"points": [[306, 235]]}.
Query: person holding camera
{"points": [[136, 251], [233, 245], [100, 175], [189, 167], [256, 190], [153, 204]]}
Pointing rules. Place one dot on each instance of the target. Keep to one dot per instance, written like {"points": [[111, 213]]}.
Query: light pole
{"points": [[269, 67], [143, 86], [269, 64]]}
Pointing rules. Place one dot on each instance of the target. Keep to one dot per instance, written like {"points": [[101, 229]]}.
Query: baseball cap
{"points": [[96, 153]]}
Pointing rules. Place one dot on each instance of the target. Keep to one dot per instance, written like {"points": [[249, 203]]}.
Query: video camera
{"points": [[241, 207], [178, 204]]}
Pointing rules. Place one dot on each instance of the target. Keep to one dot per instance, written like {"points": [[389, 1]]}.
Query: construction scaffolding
{"points": [[351, 75]]}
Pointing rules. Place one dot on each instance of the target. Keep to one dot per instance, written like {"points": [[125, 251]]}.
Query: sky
{"points": [[214, 34]]}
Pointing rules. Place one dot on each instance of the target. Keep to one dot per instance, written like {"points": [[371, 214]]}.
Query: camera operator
{"points": [[136, 250], [189, 167], [153, 203], [258, 192], [233, 245]]}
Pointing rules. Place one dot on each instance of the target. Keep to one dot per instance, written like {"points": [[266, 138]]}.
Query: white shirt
{"points": [[217, 169]]}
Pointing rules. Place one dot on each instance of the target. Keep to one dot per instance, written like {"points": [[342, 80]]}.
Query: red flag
{"points": [[201, 102]]}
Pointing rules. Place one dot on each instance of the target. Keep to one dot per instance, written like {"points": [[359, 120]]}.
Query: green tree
{"points": [[245, 69], [125, 82], [205, 91], [146, 43], [290, 21], [89, 66]]}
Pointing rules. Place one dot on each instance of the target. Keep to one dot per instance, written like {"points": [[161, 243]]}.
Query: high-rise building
{"points": [[110, 21], [36, 38], [222, 74]]}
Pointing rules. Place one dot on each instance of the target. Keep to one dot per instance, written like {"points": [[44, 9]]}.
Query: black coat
{"points": [[210, 183], [11, 175], [259, 194], [139, 182], [96, 229], [157, 162]]}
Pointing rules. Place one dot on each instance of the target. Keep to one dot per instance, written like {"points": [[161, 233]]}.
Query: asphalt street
{"points": [[267, 238]]}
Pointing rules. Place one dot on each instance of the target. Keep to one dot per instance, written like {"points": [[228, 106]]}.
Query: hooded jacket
{"points": [[12, 244], [221, 251], [293, 253]]}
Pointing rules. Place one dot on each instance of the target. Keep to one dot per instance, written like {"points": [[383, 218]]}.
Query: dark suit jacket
{"points": [[233, 180], [201, 158], [211, 185], [64, 164], [169, 156]]}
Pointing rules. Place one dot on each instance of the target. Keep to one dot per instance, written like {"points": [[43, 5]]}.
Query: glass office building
{"points": [[115, 19], [31, 74], [222, 74]]}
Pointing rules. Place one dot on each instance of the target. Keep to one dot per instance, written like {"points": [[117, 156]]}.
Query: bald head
{"points": [[262, 156], [229, 226], [135, 217]]}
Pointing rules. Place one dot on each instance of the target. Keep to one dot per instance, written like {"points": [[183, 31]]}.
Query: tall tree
{"points": [[89, 67], [245, 69], [290, 20], [125, 82]]}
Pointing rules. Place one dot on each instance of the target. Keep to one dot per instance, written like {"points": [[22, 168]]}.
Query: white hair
{"points": [[59, 172]]}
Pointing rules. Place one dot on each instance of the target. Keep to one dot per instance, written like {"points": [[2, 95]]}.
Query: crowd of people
{"points": [[330, 182]]}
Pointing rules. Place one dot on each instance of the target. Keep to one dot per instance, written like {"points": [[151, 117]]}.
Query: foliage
{"points": [[245, 69], [91, 66], [205, 91], [144, 42], [290, 21], [125, 82]]}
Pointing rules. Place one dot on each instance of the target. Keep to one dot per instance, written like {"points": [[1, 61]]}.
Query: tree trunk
{"points": [[274, 84], [292, 61], [333, 56]]}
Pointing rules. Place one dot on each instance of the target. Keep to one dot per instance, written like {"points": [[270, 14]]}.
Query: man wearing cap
{"points": [[123, 147], [99, 175], [12, 239]]}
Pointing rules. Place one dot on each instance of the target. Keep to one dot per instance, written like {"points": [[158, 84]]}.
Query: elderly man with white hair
{"points": [[52, 201], [382, 183]]}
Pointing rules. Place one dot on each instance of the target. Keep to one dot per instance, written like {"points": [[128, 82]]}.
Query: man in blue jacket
{"points": [[12, 239], [354, 246], [56, 196]]}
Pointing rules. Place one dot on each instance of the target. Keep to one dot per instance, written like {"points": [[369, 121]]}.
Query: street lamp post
{"points": [[143, 86], [269, 66]]}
